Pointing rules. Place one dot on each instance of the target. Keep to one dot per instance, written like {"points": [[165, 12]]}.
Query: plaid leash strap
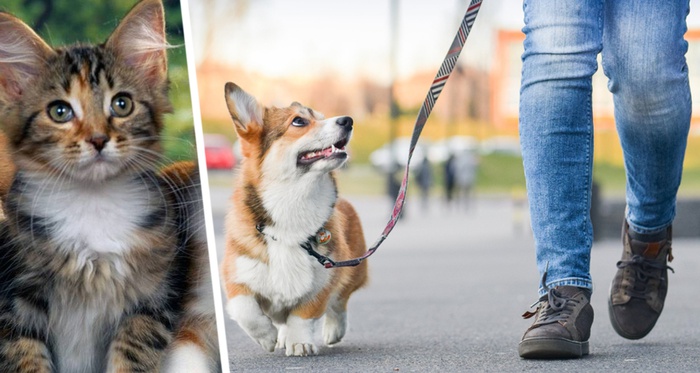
{"points": [[435, 89]]}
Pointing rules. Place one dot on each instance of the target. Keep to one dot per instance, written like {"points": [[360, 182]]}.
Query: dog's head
{"points": [[291, 140]]}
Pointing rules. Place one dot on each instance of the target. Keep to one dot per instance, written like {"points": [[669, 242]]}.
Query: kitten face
{"points": [[89, 120], [88, 113]]}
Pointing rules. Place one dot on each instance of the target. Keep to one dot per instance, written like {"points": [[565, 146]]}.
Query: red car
{"points": [[218, 152]]}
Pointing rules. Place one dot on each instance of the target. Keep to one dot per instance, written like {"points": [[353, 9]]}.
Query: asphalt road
{"points": [[447, 291]]}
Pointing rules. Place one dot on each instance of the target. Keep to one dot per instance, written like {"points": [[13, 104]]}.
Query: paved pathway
{"points": [[447, 292]]}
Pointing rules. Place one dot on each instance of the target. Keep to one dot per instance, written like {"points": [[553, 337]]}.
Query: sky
{"points": [[302, 38], [305, 37]]}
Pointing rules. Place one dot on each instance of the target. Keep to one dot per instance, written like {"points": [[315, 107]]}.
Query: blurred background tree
{"points": [[65, 22]]}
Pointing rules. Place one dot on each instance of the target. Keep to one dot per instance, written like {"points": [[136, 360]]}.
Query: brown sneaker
{"points": [[562, 327], [639, 287]]}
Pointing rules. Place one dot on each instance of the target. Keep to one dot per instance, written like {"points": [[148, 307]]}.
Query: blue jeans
{"points": [[643, 54]]}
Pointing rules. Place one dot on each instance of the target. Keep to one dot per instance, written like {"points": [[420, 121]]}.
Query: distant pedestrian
{"points": [[449, 178], [465, 165], [424, 178], [393, 186]]}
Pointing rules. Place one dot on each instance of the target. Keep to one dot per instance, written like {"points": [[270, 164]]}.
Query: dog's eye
{"points": [[299, 122]]}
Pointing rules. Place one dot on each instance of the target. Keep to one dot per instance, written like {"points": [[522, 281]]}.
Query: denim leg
{"points": [[562, 41], [644, 59]]}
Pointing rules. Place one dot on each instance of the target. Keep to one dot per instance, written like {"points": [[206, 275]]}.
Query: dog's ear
{"points": [[245, 110]]}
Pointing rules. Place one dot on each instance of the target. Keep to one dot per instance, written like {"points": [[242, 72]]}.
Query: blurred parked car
{"points": [[441, 150], [218, 152], [501, 145], [382, 157]]}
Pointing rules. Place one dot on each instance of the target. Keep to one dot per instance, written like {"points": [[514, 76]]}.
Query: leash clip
{"points": [[322, 259]]}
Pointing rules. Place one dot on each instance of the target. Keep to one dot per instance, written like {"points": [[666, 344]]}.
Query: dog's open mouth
{"points": [[334, 151]]}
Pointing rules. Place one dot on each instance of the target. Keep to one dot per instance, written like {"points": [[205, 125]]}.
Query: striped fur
{"points": [[7, 170], [276, 291], [103, 261]]}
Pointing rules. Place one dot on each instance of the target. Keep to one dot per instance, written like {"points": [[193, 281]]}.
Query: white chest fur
{"points": [[92, 219], [298, 208], [289, 276]]}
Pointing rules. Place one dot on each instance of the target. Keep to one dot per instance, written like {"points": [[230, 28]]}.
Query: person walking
{"points": [[643, 56], [424, 177], [450, 176]]}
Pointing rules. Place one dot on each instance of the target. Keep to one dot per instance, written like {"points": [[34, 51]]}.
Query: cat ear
{"points": [[245, 110], [23, 55], [139, 41]]}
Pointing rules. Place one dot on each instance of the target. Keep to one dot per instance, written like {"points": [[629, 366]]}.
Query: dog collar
{"points": [[322, 237]]}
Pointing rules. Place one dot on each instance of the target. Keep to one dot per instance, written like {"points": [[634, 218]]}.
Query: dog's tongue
{"points": [[327, 152], [323, 153]]}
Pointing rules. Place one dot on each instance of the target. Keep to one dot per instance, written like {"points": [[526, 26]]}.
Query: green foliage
{"points": [[500, 173], [690, 183], [612, 179], [67, 22], [178, 135]]}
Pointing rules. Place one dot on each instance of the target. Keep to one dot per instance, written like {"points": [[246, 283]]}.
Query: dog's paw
{"points": [[333, 335], [334, 327], [301, 349], [263, 333], [281, 336], [268, 344], [300, 336], [246, 311]]}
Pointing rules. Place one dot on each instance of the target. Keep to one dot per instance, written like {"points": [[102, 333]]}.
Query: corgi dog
{"points": [[285, 198]]}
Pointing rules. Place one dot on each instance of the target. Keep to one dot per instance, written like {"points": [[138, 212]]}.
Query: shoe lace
{"points": [[555, 307], [644, 269]]}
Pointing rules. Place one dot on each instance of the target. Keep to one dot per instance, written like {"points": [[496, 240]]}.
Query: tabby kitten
{"points": [[103, 262]]}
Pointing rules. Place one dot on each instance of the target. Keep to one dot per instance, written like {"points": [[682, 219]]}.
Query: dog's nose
{"points": [[344, 122]]}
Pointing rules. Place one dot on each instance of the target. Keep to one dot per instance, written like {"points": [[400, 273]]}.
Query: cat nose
{"points": [[98, 141], [345, 122]]}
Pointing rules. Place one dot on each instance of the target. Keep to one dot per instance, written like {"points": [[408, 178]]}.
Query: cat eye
{"points": [[60, 111], [122, 105], [299, 122]]}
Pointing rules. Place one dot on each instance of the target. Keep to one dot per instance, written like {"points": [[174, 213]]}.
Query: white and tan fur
{"points": [[276, 291]]}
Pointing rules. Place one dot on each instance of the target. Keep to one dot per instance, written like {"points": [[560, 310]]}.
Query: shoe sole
{"points": [[552, 348]]}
